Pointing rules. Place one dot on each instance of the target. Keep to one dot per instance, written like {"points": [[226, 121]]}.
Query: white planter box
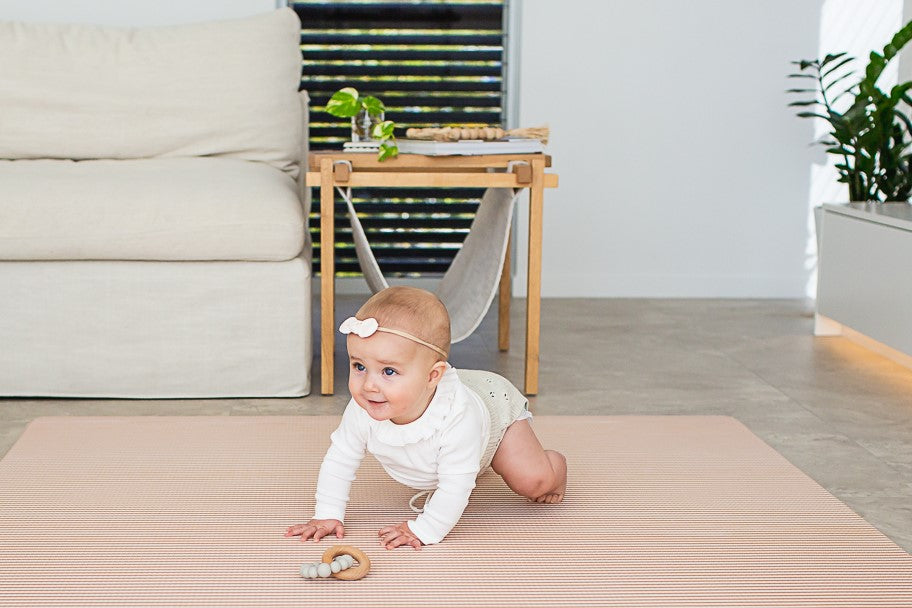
{"points": [[864, 284]]}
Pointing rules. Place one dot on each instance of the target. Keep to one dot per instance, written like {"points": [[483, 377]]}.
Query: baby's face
{"points": [[391, 377]]}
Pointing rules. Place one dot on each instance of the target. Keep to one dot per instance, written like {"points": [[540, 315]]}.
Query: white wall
{"points": [[905, 59], [682, 172], [131, 12]]}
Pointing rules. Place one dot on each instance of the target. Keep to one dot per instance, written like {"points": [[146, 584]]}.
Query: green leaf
{"points": [[832, 57], [387, 150], [810, 102], [344, 103], [898, 41], [842, 94], [812, 115], [899, 91], [801, 90], [838, 80], [830, 70], [806, 63], [858, 110], [383, 130], [373, 105], [813, 76], [878, 62]]}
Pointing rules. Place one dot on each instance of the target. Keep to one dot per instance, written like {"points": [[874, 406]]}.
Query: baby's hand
{"points": [[398, 535], [317, 529]]}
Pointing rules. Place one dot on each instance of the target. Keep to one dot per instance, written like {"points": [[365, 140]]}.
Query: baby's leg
{"points": [[529, 469]]}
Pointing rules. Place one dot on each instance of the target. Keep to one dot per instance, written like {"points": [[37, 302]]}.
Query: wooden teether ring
{"points": [[353, 573]]}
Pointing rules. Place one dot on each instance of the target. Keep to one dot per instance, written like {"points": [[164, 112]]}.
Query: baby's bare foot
{"points": [[559, 464]]}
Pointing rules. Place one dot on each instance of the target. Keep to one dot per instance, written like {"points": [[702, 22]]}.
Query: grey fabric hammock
{"points": [[469, 285]]}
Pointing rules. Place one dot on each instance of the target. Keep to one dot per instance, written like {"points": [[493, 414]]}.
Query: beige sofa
{"points": [[153, 227]]}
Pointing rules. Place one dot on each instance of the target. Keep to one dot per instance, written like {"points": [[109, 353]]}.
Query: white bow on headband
{"points": [[363, 329], [369, 326]]}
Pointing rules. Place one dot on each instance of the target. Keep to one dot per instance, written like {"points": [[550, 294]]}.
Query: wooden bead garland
{"points": [[339, 562], [458, 133]]}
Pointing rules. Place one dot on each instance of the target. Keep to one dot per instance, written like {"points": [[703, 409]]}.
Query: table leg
{"points": [[533, 288], [503, 309], [327, 276]]}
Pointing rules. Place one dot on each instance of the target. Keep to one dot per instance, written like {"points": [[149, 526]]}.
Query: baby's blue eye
{"points": [[388, 371], [359, 367]]}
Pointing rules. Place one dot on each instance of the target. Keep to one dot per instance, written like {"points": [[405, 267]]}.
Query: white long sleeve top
{"points": [[440, 450]]}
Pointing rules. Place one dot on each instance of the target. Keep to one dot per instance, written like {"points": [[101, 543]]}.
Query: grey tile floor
{"points": [[841, 414]]}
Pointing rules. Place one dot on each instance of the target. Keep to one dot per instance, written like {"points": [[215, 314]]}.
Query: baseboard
{"points": [[588, 285], [834, 328]]}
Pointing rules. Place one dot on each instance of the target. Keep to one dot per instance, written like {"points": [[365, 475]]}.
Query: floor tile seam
{"points": [[898, 467], [792, 400], [835, 430], [789, 399]]}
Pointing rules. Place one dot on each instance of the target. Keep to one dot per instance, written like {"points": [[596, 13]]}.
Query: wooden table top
{"points": [[405, 162]]}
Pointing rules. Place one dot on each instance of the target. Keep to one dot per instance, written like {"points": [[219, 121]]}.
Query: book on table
{"points": [[469, 147], [361, 146]]}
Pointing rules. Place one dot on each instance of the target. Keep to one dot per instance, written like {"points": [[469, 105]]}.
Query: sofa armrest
{"points": [[304, 191]]}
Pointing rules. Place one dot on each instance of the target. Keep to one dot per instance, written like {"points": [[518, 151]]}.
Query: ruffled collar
{"points": [[431, 420]]}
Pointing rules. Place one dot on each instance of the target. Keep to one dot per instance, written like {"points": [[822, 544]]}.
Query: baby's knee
{"points": [[558, 462], [536, 482]]}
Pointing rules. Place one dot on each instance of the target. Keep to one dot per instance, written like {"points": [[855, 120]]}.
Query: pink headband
{"points": [[369, 326]]}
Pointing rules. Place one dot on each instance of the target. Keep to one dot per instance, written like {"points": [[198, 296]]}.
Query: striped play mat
{"points": [[660, 511]]}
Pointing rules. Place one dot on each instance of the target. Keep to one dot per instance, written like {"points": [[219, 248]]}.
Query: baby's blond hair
{"points": [[412, 310]]}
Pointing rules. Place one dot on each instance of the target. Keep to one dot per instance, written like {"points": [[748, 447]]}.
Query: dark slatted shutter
{"points": [[432, 63]]}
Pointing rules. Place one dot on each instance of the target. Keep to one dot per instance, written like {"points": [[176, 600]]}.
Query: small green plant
{"points": [[871, 138], [348, 103]]}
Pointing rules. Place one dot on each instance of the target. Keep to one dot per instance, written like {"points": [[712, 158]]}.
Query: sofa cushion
{"points": [[157, 209], [226, 88]]}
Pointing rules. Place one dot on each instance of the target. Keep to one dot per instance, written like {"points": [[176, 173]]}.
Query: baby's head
{"points": [[398, 344], [414, 311]]}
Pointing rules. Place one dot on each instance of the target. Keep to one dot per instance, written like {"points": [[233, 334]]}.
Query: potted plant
{"points": [[862, 269], [871, 137], [367, 119]]}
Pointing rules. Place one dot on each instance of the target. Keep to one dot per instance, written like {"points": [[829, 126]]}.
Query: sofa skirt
{"points": [[144, 330]]}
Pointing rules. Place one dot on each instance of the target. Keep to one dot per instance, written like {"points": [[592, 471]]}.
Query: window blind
{"points": [[432, 63]]}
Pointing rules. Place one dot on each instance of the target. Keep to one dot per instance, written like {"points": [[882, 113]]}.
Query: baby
{"points": [[429, 427]]}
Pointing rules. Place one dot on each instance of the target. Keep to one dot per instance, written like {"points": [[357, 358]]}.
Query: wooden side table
{"points": [[416, 170]]}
